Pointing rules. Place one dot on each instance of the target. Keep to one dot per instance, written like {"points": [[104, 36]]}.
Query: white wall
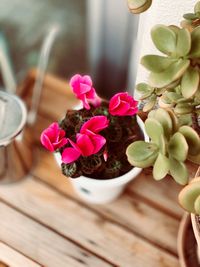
{"points": [[161, 12]]}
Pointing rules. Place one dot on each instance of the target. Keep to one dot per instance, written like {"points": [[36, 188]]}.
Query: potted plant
{"points": [[91, 142], [171, 99]]}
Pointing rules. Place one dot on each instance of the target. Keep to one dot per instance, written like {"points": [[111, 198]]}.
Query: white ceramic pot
{"points": [[98, 191]]}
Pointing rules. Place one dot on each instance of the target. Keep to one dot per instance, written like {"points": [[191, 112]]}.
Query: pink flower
{"points": [[53, 137], [122, 104], [85, 145], [88, 141], [83, 89], [94, 125]]}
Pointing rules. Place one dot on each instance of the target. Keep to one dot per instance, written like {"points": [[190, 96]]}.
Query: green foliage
{"points": [[169, 147]]}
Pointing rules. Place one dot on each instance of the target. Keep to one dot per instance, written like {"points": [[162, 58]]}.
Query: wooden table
{"points": [[44, 223]]}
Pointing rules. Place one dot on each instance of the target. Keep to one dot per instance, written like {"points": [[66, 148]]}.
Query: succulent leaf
{"points": [[195, 48], [190, 16], [178, 171], [161, 33], [156, 63], [171, 74], [190, 82], [142, 154], [178, 147], [149, 105], [153, 128], [192, 139], [183, 45], [189, 195], [183, 108], [161, 167], [197, 7], [139, 6], [144, 90], [162, 116]]}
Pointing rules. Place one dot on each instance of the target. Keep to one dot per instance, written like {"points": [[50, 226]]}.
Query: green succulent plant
{"points": [[192, 20], [169, 146], [139, 6], [174, 80]]}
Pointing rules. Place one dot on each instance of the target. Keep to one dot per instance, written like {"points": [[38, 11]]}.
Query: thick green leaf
{"points": [[178, 171], [142, 154], [183, 108], [161, 167], [197, 7], [153, 129], [197, 205], [195, 49], [156, 63], [190, 16], [183, 45], [139, 6], [150, 104], [178, 147], [161, 115], [174, 97], [189, 195], [192, 139], [171, 74], [164, 39], [190, 82], [144, 90], [175, 122]]}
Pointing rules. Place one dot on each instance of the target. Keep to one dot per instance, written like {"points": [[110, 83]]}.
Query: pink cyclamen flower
{"points": [[88, 141], [85, 146], [53, 137], [94, 125], [122, 104], [84, 90]]}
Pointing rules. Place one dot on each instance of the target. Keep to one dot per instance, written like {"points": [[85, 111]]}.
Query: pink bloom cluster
{"points": [[88, 141]]}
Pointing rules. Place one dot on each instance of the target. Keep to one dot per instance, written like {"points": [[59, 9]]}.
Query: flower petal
{"points": [[85, 144], [44, 139], [95, 124], [70, 155], [98, 142]]}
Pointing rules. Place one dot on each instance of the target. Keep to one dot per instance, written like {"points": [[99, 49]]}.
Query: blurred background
{"points": [[96, 37]]}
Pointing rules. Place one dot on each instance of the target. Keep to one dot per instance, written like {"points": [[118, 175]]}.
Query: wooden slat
{"points": [[12, 258], [74, 221], [128, 210], [40, 243]]}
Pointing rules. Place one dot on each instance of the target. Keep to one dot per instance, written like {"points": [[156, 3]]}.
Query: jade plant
{"points": [[171, 99], [92, 140], [169, 146]]}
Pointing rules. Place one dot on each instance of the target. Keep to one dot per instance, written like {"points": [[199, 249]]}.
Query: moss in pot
{"points": [[91, 142]]}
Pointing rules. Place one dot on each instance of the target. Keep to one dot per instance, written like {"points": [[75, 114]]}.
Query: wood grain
{"points": [[77, 223], [128, 211], [12, 258], [40, 243]]}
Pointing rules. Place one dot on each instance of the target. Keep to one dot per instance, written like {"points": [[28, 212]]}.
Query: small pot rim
{"points": [[125, 178]]}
